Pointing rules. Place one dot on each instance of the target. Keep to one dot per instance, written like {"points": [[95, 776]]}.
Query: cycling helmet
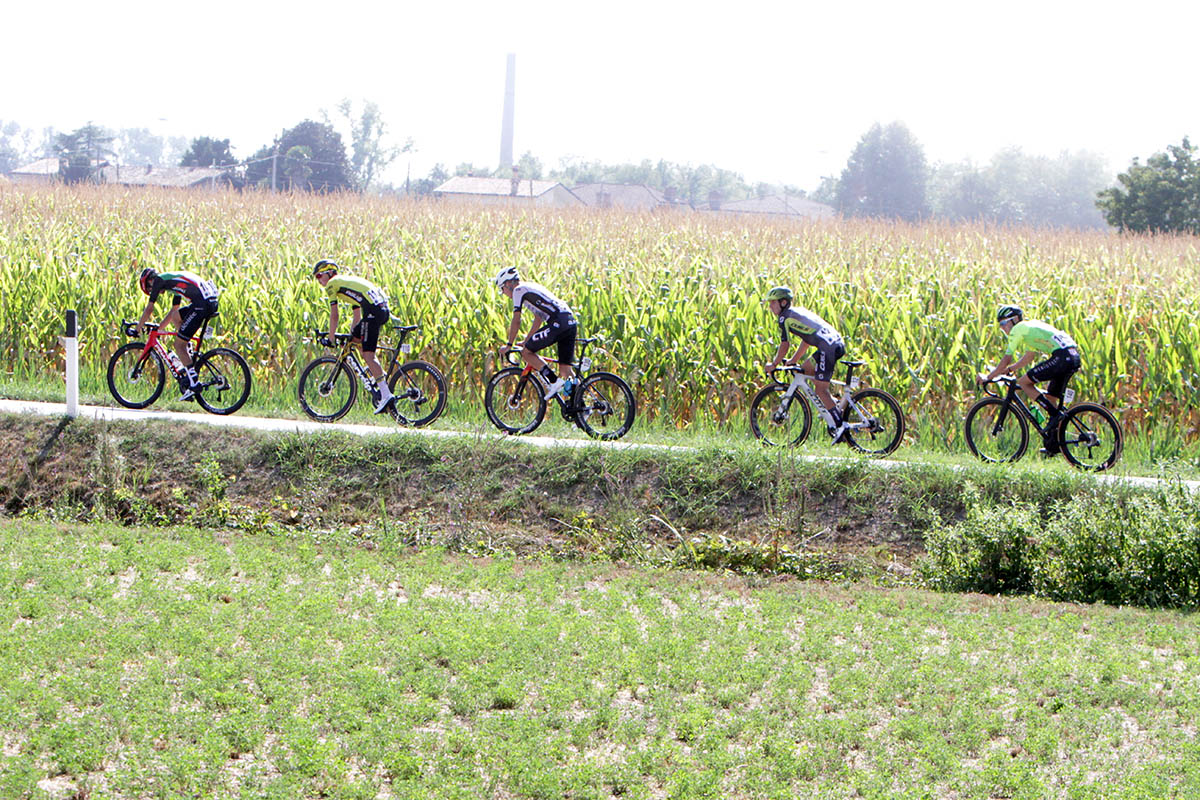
{"points": [[1008, 312], [779, 293], [146, 279], [505, 275], [325, 265]]}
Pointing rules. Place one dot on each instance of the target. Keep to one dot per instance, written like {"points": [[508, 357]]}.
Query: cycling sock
{"points": [[192, 377], [548, 374], [1046, 404], [385, 391], [835, 416]]}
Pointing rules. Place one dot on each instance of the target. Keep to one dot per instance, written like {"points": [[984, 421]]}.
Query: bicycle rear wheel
{"points": [[1090, 437], [604, 406], [420, 392], [327, 390], [224, 380], [136, 382], [514, 403], [993, 440], [877, 423], [777, 423]]}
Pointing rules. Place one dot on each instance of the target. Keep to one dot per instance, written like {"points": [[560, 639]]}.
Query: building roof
{"points": [[129, 175], [496, 187], [43, 166], [625, 195], [781, 204]]}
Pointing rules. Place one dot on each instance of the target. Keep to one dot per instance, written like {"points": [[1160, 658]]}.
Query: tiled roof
{"points": [[785, 205], [463, 184], [627, 195], [43, 166], [160, 176]]}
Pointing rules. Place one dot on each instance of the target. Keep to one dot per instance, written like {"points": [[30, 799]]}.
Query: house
{"points": [[173, 177], [780, 205], [48, 170], [508, 191], [43, 170], [635, 197]]}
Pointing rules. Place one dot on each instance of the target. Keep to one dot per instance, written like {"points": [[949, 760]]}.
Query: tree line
{"points": [[886, 175]]}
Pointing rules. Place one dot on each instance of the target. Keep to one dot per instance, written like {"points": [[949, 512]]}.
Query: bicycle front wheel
{"points": [[604, 406], [996, 433], [327, 389], [514, 402], [876, 423], [1090, 437], [420, 392], [224, 378], [136, 382], [779, 422]]}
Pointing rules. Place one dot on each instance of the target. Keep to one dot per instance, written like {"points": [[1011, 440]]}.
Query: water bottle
{"points": [[176, 364]]}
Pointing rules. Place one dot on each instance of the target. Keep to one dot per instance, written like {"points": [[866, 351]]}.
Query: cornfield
{"points": [[677, 296]]}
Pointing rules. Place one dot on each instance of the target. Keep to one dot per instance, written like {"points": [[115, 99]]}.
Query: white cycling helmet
{"points": [[505, 275]]}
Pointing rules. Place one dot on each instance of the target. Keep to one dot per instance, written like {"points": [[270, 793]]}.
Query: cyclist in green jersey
{"points": [[370, 313], [1027, 341]]}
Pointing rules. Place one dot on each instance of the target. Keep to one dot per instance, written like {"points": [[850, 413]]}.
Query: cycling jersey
{"points": [[1034, 335], [809, 327], [538, 299], [184, 284], [355, 292]]}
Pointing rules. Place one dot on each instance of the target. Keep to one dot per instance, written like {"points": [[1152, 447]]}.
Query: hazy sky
{"points": [[779, 92]]}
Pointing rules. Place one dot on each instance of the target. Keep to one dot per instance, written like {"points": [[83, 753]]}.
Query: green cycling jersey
{"points": [[1035, 335]]}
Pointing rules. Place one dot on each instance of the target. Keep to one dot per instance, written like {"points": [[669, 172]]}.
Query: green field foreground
{"points": [[172, 662]]}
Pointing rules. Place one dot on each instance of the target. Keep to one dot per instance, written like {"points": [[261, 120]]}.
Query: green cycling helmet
{"points": [[779, 293], [1007, 313]]}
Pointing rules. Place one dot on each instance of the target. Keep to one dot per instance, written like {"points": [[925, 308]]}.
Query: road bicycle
{"points": [[327, 387], [997, 429], [600, 403], [138, 371], [781, 413]]}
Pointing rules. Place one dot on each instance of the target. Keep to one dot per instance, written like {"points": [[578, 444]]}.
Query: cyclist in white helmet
{"points": [[814, 332], [557, 326]]}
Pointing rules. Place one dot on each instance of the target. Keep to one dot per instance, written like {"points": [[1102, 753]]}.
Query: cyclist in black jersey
{"points": [[812, 331], [202, 303], [558, 326]]}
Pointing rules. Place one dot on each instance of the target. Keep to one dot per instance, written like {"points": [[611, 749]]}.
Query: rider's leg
{"points": [[1046, 401]]}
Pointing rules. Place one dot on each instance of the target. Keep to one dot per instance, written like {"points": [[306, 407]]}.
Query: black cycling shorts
{"points": [[191, 317], [1058, 369], [373, 318], [560, 330], [826, 357]]}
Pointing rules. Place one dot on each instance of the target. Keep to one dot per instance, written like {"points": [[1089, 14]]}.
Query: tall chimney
{"points": [[506, 128]]}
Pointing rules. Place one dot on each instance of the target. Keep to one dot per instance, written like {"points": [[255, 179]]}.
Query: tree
{"points": [[1160, 196], [82, 153], [327, 159], [139, 146], [208, 152], [369, 155], [296, 166], [885, 176]]}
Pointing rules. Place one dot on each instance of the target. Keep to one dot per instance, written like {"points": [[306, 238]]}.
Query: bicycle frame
{"points": [[1015, 398], [582, 367], [803, 382], [153, 343], [348, 354]]}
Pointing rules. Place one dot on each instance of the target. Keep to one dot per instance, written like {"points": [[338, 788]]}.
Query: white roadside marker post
{"points": [[71, 343]]}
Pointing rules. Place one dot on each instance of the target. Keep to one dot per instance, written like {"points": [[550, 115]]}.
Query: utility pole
{"points": [[506, 127]]}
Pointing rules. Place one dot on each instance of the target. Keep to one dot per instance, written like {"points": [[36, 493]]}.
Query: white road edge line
{"points": [[308, 426]]}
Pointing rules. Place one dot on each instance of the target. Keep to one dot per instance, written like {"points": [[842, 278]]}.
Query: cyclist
{"points": [[1026, 340], [557, 326], [202, 303], [813, 332], [370, 313]]}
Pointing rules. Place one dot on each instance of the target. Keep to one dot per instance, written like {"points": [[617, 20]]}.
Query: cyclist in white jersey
{"points": [[557, 326], [812, 331]]}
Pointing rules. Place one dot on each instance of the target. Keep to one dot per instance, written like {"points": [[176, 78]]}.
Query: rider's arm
{"points": [[1024, 361], [800, 351], [333, 321], [145, 316], [514, 328], [1004, 366], [779, 354]]}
